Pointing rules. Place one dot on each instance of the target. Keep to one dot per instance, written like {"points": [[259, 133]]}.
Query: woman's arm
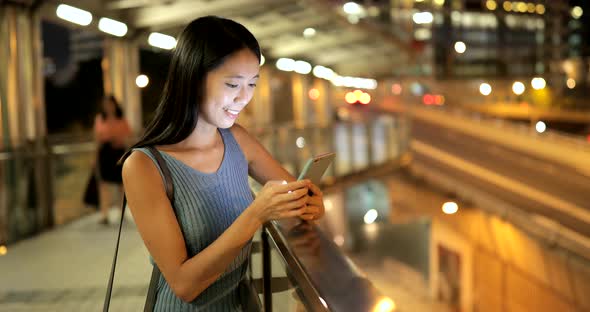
{"points": [[159, 229], [263, 167]]}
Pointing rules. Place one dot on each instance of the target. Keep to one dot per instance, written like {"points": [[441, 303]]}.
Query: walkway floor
{"points": [[67, 269]]}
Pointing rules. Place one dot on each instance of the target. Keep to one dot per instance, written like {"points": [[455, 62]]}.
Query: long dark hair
{"points": [[202, 46], [118, 109]]}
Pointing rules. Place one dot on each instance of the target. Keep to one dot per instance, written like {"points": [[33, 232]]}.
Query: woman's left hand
{"points": [[315, 204]]}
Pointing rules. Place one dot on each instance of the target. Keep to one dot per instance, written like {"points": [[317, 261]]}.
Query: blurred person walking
{"points": [[112, 133]]}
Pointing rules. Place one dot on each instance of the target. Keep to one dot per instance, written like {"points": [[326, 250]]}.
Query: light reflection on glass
{"points": [[385, 305]]}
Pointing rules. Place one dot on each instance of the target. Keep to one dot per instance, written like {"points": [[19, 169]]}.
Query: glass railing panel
{"points": [[285, 295], [358, 145], [17, 208], [343, 148], [71, 168]]}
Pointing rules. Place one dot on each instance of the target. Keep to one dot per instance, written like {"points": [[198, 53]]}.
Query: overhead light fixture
{"points": [[162, 41], [74, 15], [285, 64], [450, 207], [309, 32], [323, 72], [262, 59], [112, 27], [422, 18], [142, 81], [302, 67], [352, 8]]}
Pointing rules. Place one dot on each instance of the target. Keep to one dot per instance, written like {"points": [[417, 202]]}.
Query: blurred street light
{"points": [[540, 127], [142, 81], [577, 12], [538, 83], [370, 216], [571, 83], [491, 5], [300, 142], [485, 89], [385, 305], [518, 88], [450, 207], [314, 94], [422, 18], [460, 47]]}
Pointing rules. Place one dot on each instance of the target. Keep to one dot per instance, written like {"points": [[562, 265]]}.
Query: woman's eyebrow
{"points": [[240, 76]]}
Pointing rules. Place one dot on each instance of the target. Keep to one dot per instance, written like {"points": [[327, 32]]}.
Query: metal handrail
{"points": [[326, 279], [272, 233]]}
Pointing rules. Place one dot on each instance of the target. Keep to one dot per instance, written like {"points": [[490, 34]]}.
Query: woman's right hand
{"points": [[279, 200]]}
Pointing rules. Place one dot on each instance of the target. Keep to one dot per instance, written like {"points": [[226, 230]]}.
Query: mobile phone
{"points": [[315, 167]]}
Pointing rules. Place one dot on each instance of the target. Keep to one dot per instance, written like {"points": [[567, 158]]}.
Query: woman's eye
{"points": [[233, 86], [252, 85]]}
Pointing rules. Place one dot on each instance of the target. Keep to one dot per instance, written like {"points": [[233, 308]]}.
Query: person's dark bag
{"points": [[150, 299], [91, 192]]}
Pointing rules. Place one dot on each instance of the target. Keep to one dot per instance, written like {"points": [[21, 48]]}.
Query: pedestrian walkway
{"points": [[67, 269]]}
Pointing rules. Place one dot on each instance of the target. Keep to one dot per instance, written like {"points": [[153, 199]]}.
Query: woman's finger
{"points": [[313, 212], [295, 204], [294, 195], [292, 186], [316, 200], [315, 189], [293, 213]]}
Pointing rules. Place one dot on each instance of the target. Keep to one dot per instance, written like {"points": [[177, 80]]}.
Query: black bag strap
{"points": [[168, 184], [151, 295]]}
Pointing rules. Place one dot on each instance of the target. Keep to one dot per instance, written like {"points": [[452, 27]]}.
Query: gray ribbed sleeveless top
{"points": [[205, 206]]}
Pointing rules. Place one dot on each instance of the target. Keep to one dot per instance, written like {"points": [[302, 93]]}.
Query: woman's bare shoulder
{"points": [[246, 141], [242, 135], [138, 166]]}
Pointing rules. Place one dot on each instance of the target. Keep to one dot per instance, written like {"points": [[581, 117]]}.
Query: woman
{"points": [[201, 243], [111, 132]]}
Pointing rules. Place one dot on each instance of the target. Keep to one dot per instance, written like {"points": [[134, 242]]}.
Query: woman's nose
{"points": [[243, 96]]}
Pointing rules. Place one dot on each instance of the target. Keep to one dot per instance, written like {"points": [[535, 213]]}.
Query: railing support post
{"points": [[266, 271]]}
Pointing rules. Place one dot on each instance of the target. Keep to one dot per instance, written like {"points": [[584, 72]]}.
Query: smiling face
{"points": [[229, 88]]}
